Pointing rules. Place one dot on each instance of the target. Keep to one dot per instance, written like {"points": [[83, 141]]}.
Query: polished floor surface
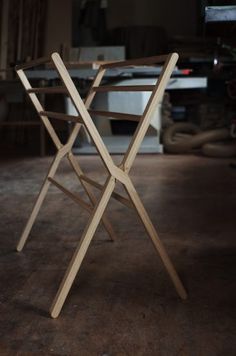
{"points": [[122, 301]]}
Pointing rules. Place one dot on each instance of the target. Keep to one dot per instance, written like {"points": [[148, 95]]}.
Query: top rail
{"points": [[137, 62], [33, 63], [130, 62]]}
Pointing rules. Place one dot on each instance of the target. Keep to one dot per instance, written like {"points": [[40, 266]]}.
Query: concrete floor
{"points": [[122, 302]]}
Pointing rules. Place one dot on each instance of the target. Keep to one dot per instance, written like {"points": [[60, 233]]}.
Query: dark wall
{"points": [[177, 17]]}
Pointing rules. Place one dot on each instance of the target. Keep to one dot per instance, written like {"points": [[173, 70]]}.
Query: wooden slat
{"points": [[78, 171], [39, 108], [149, 227], [106, 88], [81, 64], [114, 195], [115, 173], [60, 116], [34, 63], [82, 248], [82, 110], [116, 115], [135, 62], [74, 197], [48, 90], [154, 99]]}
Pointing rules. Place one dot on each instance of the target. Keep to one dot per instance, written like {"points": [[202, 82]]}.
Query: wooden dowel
{"points": [[114, 195], [49, 90], [82, 248], [60, 116], [115, 115], [107, 88], [136, 62], [74, 197], [30, 64], [78, 171]]}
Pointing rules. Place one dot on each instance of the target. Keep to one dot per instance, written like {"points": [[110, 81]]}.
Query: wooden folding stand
{"points": [[114, 173]]}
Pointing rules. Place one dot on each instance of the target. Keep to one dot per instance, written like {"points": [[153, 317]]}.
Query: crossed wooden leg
{"points": [[155, 239], [42, 194], [88, 234], [39, 202], [82, 247], [75, 165]]}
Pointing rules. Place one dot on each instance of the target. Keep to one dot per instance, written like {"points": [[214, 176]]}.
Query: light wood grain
{"points": [[114, 173], [116, 115], [82, 248], [72, 196], [60, 116], [48, 90], [114, 195], [33, 63], [136, 62], [155, 239], [78, 171], [107, 88]]}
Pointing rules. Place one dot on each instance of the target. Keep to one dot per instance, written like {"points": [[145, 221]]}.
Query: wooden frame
{"points": [[114, 173]]}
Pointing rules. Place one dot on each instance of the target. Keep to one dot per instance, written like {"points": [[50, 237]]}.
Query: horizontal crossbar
{"points": [[75, 198], [114, 195], [116, 115], [48, 90], [33, 63], [107, 88], [136, 62], [60, 116]]}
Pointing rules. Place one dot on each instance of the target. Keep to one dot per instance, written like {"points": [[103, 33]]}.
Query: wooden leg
{"points": [[75, 165], [82, 248], [38, 203], [156, 240]]}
